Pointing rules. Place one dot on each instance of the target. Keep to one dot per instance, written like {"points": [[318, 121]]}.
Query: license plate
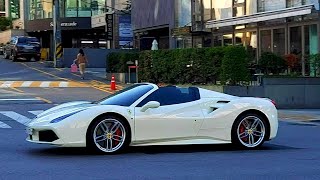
{"points": [[29, 131]]}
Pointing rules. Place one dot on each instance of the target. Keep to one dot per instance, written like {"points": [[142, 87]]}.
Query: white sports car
{"points": [[145, 114]]}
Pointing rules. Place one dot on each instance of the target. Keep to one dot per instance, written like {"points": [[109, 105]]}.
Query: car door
{"points": [[179, 117]]}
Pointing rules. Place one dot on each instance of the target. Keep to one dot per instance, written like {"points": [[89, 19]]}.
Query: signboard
{"points": [[66, 24], [125, 31], [181, 31], [109, 28]]}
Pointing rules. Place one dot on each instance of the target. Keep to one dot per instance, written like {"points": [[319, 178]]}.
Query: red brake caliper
{"points": [[118, 133], [242, 130]]}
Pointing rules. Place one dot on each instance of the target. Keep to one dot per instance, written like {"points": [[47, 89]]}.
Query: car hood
{"points": [[64, 109]]}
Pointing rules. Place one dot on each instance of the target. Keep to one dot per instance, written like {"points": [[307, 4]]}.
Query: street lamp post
{"points": [[58, 50]]}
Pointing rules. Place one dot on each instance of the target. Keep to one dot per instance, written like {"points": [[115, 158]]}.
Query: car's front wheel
{"points": [[249, 131], [108, 135]]}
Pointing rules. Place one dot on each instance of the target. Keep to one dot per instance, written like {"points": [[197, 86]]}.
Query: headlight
{"points": [[64, 117]]}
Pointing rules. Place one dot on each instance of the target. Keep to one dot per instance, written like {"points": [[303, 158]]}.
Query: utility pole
{"points": [[58, 50]]}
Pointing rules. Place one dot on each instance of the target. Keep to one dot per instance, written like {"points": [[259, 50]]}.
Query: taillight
{"points": [[274, 102]]}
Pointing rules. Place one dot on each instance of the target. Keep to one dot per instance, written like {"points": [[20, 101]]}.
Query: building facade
{"points": [[75, 15], [279, 26]]}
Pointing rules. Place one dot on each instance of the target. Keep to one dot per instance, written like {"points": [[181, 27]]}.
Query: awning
{"points": [[263, 16]]}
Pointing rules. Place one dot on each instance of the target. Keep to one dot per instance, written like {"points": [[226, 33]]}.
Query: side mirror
{"points": [[151, 104]]}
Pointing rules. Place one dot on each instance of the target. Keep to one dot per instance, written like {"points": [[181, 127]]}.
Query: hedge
{"points": [[194, 65]]}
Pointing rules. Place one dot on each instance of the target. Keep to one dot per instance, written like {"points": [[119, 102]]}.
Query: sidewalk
{"points": [[307, 115]]}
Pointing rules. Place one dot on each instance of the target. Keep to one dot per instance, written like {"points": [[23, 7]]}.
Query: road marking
{"points": [[17, 117], [45, 100], [45, 84], [6, 84], [45, 72], [15, 89], [26, 83], [63, 84], [4, 125], [36, 112], [30, 99]]}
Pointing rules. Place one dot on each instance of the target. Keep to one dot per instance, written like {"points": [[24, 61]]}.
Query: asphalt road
{"points": [[294, 154]]}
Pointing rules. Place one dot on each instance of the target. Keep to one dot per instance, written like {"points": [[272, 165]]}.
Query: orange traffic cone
{"points": [[113, 83]]}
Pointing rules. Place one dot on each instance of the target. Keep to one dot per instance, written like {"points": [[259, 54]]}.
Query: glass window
{"points": [[172, 95], [84, 8], [71, 8], [266, 41], [227, 40], [2, 5], [270, 5], [183, 13], [251, 6], [222, 9], [99, 6], [239, 7], [28, 40], [295, 40], [279, 41], [217, 41], [207, 10], [311, 45], [294, 3], [127, 96], [15, 8]]}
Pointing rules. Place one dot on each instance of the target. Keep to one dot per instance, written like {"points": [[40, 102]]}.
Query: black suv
{"points": [[22, 47]]}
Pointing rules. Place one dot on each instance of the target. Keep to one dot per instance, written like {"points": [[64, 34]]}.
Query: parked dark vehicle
{"points": [[22, 47]]}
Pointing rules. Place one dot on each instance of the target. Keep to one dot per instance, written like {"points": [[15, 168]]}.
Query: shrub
{"points": [[271, 63], [235, 65], [117, 61], [315, 64]]}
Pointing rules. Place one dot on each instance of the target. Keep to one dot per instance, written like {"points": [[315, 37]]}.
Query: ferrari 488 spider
{"points": [[145, 114]]}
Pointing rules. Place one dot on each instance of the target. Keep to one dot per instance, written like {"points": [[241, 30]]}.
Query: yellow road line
{"points": [[54, 84], [45, 72], [58, 69], [44, 100], [15, 89]]}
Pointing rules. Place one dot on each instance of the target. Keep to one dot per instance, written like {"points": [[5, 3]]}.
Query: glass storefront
{"points": [[222, 9], [182, 13], [279, 41], [2, 5], [40, 9], [14, 9], [265, 41]]}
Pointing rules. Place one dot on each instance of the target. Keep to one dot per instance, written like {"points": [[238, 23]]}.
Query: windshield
{"points": [[28, 40], [127, 96]]}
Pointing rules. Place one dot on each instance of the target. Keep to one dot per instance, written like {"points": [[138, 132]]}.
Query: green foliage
{"points": [[235, 65], [117, 62], [182, 66], [315, 63], [4, 23], [272, 63]]}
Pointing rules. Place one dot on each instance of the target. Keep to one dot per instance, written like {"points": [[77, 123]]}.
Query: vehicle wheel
{"points": [[13, 58], [108, 135], [5, 55], [249, 131]]}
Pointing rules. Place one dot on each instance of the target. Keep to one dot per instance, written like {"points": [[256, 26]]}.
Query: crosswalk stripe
{"points": [[26, 83], [36, 112], [63, 84], [45, 84], [7, 83], [17, 117], [4, 125]]}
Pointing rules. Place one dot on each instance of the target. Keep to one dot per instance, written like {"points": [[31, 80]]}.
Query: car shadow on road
{"points": [[60, 151]]}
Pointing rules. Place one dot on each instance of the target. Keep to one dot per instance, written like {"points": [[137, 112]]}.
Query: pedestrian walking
{"points": [[82, 61]]}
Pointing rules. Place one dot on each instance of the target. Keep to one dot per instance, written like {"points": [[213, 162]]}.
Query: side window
{"points": [[172, 95]]}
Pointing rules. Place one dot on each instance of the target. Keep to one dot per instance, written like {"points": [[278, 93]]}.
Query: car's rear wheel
{"points": [[249, 131], [108, 135]]}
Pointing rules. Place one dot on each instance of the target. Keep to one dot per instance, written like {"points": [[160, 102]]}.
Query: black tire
{"points": [[13, 57], [236, 139], [91, 145]]}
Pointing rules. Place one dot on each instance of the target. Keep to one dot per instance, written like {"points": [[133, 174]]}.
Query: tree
{"points": [[4, 23], [128, 4]]}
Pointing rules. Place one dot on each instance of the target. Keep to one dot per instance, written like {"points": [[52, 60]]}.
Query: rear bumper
{"points": [[28, 54]]}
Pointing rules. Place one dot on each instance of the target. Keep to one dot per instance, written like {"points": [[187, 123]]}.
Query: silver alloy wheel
{"points": [[109, 135], [251, 131]]}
